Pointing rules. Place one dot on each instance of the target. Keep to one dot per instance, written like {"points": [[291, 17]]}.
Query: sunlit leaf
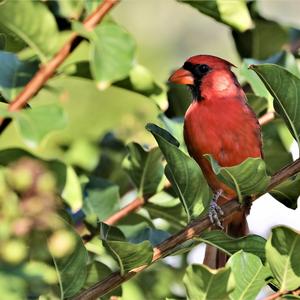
{"points": [[184, 174], [249, 274], [112, 54], [283, 256], [144, 168], [204, 283], [247, 178], [36, 26], [232, 13]]}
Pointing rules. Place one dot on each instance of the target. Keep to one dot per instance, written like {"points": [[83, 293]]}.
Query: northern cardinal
{"points": [[218, 122]]}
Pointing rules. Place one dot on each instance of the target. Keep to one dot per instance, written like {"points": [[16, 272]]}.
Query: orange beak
{"points": [[182, 76]]}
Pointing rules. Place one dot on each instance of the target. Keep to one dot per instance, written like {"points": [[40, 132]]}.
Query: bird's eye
{"points": [[200, 70]]}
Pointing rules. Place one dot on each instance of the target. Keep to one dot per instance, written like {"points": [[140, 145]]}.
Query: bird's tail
{"points": [[215, 258]]}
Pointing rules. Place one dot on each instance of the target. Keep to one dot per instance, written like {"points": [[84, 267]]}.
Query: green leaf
{"points": [[247, 178], [232, 13], [283, 256], [175, 127], [184, 174], [154, 236], [2, 41], [101, 198], [258, 104], [249, 274], [204, 283], [36, 26], [252, 43], [144, 168], [179, 99], [285, 88], [34, 124], [72, 193], [276, 154], [14, 74], [12, 286], [288, 192], [71, 264], [128, 255], [254, 244], [112, 54]]}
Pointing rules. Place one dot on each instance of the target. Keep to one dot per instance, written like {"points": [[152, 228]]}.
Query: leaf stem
{"points": [[194, 229]]}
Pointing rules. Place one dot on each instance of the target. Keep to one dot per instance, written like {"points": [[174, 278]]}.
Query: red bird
{"points": [[218, 122]]}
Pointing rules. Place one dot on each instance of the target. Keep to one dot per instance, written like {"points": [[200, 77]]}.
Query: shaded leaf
{"points": [[258, 104], [70, 9], [204, 283], [232, 13], [283, 256], [276, 154], [36, 26], [179, 99], [101, 198], [285, 88], [2, 41], [288, 192], [154, 236], [254, 244], [249, 274], [73, 263], [112, 54], [247, 178], [14, 74], [251, 43], [128, 255], [144, 168], [184, 174]]}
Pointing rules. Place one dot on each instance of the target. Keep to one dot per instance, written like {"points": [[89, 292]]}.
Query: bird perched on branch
{"points": [[218, 122]]}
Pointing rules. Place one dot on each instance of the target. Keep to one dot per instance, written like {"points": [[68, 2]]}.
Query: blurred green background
{"points": [[166, 33]]}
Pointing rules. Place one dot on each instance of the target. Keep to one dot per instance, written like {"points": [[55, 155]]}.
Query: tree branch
{"points": [[47, 70], [194, 229]]}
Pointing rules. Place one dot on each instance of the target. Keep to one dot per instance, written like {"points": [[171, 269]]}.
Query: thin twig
{"points": [[46, 71], [280, 293], [192, 230], [125, 211]]}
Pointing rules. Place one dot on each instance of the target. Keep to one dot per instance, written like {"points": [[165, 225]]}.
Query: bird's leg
{"points": [[215, 209]]}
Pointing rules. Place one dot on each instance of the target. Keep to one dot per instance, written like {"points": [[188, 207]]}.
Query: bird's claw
{"points": [[215, 210]]}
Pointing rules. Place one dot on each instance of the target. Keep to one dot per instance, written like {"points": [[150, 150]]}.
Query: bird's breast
{"points": [[227, 129]]}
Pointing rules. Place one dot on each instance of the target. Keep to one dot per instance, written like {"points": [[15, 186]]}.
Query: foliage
{"points": [[71, 163]]}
